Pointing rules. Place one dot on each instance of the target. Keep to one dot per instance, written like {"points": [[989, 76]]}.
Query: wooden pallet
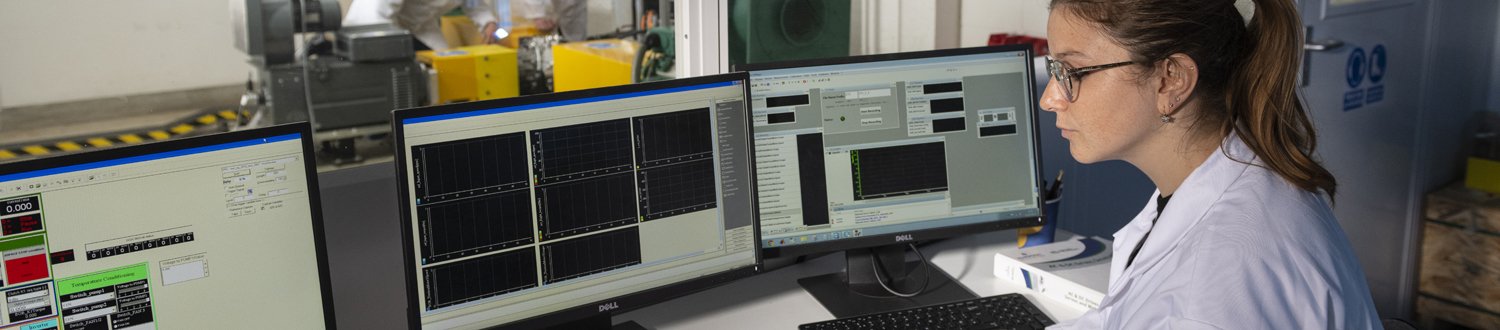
{"points": [[1460, 268]]}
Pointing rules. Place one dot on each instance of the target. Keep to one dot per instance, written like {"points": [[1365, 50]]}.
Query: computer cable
{"points": [[926, 276]]}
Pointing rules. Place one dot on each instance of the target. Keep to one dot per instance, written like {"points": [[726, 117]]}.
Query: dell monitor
{"points": [[560, 210], [866, 154], [213, 232]]}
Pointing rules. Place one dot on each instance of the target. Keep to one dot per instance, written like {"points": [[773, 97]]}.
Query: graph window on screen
{"points": [[891, 146], [196, 237], [674, 152], [582, 199], [899, 170], [488, 191]]}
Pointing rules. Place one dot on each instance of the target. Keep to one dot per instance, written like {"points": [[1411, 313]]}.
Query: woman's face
{"points": [[1114, 109]]}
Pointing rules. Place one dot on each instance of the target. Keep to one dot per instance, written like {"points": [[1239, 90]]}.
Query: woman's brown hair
{"points": [[1247, 75]]}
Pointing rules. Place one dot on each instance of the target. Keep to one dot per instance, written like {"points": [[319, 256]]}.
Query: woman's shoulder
{"points": [[1264, 208], [1284, 248], [1249, 191]]}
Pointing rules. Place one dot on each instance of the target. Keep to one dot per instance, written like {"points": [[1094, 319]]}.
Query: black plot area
{"points": [[586, 205], [675, 189], [591, 254], [479, 278], [948, 125], [781, 118], [946, 105], [673, 137], [997, 130], [943, 87], [469, 167], [784, 101], [814, 181], [475, 225], [571, 152], [899, 170]]}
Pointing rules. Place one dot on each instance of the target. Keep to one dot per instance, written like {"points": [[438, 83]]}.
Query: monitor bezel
{"points": [[929, 233], [624, 303], [303, 129]]}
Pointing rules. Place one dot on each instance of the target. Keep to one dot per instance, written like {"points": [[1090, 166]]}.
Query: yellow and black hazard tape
{"points": [[173, 130]]}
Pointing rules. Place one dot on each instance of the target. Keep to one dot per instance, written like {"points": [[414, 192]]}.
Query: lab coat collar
{"points": [[1197, 194]]}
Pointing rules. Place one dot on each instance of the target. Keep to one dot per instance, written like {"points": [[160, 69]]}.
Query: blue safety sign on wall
{"points": [[1354, 71], [1376, 91], [1354, 74]]}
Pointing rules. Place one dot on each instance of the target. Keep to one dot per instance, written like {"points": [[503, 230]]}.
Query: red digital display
{"points": [[21, 224]]}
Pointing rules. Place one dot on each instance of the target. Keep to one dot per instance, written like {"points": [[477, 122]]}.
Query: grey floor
{"points": [[39, 123], [26, 130]]}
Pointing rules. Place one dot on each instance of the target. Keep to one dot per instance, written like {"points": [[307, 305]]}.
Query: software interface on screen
{"points": [[204, 238], [518, 212], [849, 150]]}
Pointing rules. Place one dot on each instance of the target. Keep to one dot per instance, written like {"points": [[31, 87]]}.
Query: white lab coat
{"points": [[421, 17], [1237, 247], [571, 15]]}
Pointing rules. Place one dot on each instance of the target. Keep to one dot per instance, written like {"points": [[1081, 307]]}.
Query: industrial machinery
{"points": [[656, 57], [781, 30], [592, 64], [472, 73], [534, 58], [346, 87]]}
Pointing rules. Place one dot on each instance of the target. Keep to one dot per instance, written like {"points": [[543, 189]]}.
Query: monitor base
{"points": [[845, 298], [602, 321], [629, 325]]}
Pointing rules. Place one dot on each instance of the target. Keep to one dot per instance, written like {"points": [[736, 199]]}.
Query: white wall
{"points": [[64, 50], [889, 26], [1494, 104], [601, 16], [898, 26], [980, 18], [918, 25]]}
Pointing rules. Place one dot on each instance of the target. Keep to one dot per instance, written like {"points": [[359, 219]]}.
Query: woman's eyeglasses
{"points": [[1070, 78]]}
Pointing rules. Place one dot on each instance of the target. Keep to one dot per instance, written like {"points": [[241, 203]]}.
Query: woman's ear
{"points": [[1178, 77]]}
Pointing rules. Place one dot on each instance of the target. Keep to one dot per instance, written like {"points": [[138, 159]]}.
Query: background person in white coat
{"points": [[569, 18], [421, 17], [1200, 95]]}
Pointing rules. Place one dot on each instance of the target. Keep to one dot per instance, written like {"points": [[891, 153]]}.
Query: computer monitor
{"points": [[210, 232], [559, 210], [878, 151]]}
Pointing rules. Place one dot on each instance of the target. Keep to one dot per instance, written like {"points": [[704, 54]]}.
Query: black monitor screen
{"points": [[878, 146], [521, 208]]}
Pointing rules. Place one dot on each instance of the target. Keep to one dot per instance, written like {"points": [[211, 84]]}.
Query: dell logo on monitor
{"points": [[903, 238], [609, 306]]}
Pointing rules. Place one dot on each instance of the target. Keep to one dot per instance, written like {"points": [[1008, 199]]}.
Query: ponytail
{"points": [[1263, 105], [1247, 75]]}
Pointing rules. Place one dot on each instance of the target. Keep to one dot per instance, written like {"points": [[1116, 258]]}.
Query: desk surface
{"points": [[773, 300]]}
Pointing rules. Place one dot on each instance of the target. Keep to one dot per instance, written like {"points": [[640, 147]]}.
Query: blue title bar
{"points": [[465, 114], [148, 157]]}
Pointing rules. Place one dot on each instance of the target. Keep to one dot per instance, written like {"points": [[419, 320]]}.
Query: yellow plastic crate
{"points": [[592, 64], [473, 73], [1484, 174]]}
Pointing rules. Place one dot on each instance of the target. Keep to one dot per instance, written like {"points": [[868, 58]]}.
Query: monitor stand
{"points": [[599, 321], [855, 291]]}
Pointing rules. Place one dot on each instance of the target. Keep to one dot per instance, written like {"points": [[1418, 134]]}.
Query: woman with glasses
{"points": [[1201, 96]]}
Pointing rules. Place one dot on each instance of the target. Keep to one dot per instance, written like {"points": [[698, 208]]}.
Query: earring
{"points": [[1166, 119]]}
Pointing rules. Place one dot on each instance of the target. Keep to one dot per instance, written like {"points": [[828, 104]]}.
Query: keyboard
{"points": [[1008, 311]]}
